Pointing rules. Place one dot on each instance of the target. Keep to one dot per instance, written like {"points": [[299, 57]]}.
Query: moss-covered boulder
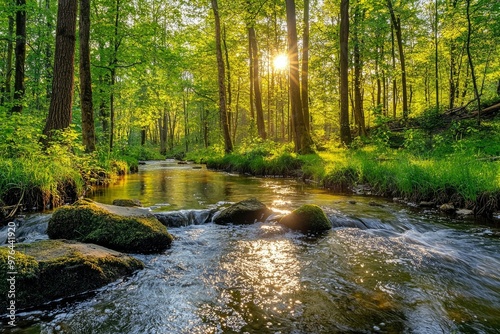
{"points": [[245, 212], [307, 218], [52, 269], [131, 230], [127, 202]]}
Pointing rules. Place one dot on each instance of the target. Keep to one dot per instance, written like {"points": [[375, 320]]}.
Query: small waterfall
{"points": [[185, 217]]}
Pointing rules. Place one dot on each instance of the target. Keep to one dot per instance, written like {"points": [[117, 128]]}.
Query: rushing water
{"points": [[381, 269]]}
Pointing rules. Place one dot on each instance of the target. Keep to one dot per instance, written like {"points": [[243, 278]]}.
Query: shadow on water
{"points": [[379, 270]]}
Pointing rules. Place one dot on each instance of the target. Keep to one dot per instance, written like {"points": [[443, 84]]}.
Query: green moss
{"points": [[52, 269], [88, 222], [26, 273], [307, 218]]}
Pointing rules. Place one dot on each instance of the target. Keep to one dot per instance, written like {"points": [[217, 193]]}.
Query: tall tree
{"points": [[59, 116], [436, 59], [228, 145], [112, 68], [396, 22], [19, 88], [359, 116], [302, 139], [471, 63], [345, 131], [256, 85], [88, 129], [305, 68], [6, 89]]}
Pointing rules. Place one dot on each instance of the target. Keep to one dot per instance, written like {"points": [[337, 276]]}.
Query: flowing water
{"points": [[381, 269]]}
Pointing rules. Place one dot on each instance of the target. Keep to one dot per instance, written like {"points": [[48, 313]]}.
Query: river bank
{"points": [[456, 184]]}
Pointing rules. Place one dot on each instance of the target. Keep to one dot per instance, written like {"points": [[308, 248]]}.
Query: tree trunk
{"points": [[163, 132], [114, 62], [436, 59], [345, 132], [302, 139], [228, 145], [48, 55], [261, 129], [88, 129], [251, 98], [397, 27], [62, 86], [236, 111], [112, 81], [186, 121], [379, 81], [453, 72], [394, 82], [229, 89], [358, 70], [6, 90], [305, 68], [20, 55], [471, 64]]}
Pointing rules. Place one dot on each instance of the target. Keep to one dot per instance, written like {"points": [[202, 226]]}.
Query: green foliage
{"points": [[382, 134], [140, 152], [416, 140], [258, 158], [431, 119], [20, 135]]}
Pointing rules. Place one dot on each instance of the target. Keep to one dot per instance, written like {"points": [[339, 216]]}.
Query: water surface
{"points": [[381, 269]]}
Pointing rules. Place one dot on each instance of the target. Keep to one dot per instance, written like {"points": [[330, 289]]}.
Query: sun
{"points": [[280, 62]]}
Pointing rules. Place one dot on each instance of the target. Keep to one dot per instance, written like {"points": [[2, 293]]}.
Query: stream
{"points": [[383, 268]]}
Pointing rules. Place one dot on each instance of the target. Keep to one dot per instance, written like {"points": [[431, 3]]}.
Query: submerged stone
{"points": [[307, 218], [247, 211], [52, 269], [127, 202], [125, 229]]}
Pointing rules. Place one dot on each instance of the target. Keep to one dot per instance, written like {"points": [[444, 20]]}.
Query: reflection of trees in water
{"points": [[185, 188]]}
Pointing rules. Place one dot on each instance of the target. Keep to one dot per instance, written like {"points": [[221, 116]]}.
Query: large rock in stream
{"points": [[245, 212], [131, 230], [307, 218], [52, 269]]}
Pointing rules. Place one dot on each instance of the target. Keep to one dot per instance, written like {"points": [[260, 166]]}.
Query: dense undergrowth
{"points": [[459, 164]]}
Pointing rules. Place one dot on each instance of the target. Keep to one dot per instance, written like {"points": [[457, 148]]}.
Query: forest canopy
{"points": [[154, 69]]}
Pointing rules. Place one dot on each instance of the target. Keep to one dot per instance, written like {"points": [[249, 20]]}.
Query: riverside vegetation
{"points": [[435, 161]]}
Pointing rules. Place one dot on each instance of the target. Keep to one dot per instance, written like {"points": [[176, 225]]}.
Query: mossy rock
{"points": [[131, 230], [127, 202], [307, 218], [53, 269], [245, 212]]}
